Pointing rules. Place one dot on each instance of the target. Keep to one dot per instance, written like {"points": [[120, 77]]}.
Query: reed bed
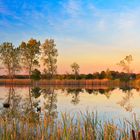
{"points": [[82, 127], [69, 83], [104, 82]]}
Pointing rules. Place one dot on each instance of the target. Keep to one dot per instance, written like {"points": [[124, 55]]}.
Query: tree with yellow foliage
{"points": [[30, 54]]}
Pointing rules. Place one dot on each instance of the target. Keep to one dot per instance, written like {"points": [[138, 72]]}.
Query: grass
{"points": [[83, 127]]}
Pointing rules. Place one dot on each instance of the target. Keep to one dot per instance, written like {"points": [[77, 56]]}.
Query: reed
{"points": [[103, 82], [81, 127]]}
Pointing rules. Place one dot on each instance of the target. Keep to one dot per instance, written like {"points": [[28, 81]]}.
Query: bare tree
{"points": [[75, 69], [49, 57], [30, 54], [10, 58], [125, 63]]}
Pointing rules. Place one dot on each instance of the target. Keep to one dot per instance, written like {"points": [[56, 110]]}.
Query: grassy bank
{"points": [[84, 127]]}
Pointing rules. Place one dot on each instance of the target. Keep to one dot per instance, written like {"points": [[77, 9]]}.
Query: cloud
{"points": [[72, 7], [75, 19], [129, 19]]}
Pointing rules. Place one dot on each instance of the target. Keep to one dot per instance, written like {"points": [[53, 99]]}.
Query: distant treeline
{"points": [[33, 54], [111, 75]]}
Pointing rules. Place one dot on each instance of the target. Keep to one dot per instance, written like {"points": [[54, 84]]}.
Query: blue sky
{"points": [[94, 33]]}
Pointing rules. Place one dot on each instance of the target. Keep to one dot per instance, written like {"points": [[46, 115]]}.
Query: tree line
{"points": [[31, 54], [27, 56]]}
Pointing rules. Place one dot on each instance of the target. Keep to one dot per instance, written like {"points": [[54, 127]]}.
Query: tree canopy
{"points": [[9, 56], [29, 54]]}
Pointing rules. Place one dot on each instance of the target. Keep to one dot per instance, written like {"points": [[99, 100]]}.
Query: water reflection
{"points": [[11, 105], [125, 102], [75, 95], [35, 101], [50, 102]]}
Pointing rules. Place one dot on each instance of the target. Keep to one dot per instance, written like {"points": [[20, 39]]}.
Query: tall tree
{"points": [[9, 56], [30, 54], [75, 69], [125, 63], [49, 57]]}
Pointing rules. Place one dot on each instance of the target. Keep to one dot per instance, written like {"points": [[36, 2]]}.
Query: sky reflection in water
{"points": [[110, 104]]}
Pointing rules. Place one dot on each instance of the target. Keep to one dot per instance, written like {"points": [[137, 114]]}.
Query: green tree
{"points": [[36, 76], [9, 56], [102, 75], [30, 54], [89, 76], [108, 74], [49, 57], [75, 69]]}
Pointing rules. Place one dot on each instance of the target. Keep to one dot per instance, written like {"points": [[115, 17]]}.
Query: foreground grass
{"points": [[83, 127]]}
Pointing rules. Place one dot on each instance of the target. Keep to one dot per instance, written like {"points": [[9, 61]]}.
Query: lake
{"points": [[109, 103]]}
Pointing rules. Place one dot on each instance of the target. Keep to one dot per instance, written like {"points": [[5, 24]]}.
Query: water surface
{"points": [[110, 103]]}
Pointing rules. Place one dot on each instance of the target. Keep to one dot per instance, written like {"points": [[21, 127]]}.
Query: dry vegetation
{"points": [[83, 127], [59, 82]]}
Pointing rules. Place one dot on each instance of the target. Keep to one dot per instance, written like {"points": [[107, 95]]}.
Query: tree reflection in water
{"points": [[30, 107], [125, 102], [75, 95], [11, 106], [36, 96], [50, 102], [90, 91], [106, 92], [44, 100]]}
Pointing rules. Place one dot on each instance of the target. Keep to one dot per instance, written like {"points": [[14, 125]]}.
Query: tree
{"points": [[29, 54], [89, 76], [108, 74], [75, 69], [10, 58], [102, 75], [125, 63], [36, 76], [49, 57]]}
